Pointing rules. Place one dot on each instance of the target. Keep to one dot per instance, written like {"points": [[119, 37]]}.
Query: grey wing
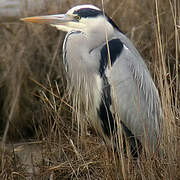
{"points": [[136, 96]]}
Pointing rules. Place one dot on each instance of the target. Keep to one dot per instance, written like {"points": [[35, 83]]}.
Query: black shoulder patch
{"points": [[88, 12], [115, 49]]}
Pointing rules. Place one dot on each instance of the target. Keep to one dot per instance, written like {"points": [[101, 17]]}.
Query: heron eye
{"points": [[77, 17]]}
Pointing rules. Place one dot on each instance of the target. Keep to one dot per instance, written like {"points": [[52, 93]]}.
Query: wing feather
{"points": [[138, 101]]}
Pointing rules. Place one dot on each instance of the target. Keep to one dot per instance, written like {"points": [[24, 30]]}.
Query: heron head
{"points": [[85, 18]]}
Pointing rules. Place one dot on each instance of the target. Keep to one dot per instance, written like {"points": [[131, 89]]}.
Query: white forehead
{"points": [[76, 8]]}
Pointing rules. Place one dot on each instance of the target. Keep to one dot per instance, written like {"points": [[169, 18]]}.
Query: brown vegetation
{"points": [[34, 101]]}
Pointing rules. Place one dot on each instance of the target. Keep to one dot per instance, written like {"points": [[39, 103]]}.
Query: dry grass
{"points": [[33, 98]]}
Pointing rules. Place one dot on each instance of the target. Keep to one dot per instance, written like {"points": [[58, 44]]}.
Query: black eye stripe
{"points": [[88, 12]]}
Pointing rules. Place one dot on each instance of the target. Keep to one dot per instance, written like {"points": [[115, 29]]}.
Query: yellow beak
{"points": [[49, 19]]}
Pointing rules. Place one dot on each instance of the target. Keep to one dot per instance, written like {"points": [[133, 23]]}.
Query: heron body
{"points": [[108, 75]]}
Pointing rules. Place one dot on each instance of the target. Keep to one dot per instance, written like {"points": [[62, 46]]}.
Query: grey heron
{"points": [[104, 68]]}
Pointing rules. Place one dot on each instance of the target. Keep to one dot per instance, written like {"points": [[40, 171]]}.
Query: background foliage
{"points": [[34, 100]]}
